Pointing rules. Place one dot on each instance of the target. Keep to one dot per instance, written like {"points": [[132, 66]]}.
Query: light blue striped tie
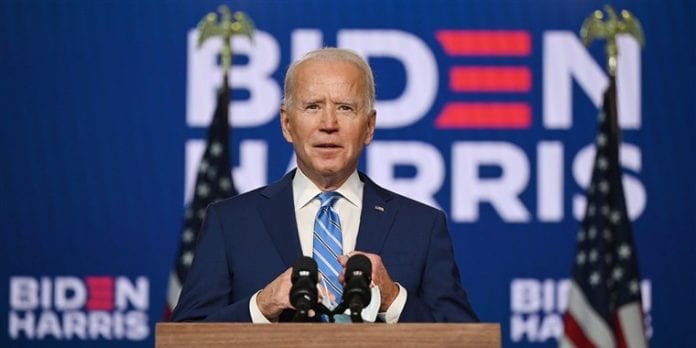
{"points": [[328, 244]]}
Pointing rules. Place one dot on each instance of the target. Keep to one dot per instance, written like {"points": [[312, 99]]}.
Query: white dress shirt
{"points": [[348, 208]]}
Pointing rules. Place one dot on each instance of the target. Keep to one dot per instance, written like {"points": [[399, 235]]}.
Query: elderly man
{"points": [[325, 209]]}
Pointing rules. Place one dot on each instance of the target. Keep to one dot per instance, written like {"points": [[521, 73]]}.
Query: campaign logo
{"points": [[537, 307], [489, 86], [72, 308]]}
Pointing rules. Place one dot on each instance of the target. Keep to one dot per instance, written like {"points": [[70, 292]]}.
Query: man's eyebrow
{"points": [[311, 101], [351, 102]]}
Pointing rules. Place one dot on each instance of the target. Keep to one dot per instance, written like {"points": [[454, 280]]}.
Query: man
{"points": [[242, 269]]}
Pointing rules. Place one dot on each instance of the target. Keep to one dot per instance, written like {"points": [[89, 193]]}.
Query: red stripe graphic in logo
{"points": [[485, 42], [101, 293], [490, 79], [472, 79], [484, 115]]}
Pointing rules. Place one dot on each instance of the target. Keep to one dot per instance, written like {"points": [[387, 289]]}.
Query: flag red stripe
{"points": [[167, 315], [574, 332], [485, 115], [485, 42], [490, 79]]}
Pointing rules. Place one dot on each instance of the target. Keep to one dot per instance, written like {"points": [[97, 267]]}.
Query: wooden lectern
{"points": [[212, 335]]}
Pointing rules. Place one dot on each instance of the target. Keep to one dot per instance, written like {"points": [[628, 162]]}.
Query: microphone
{"points": [[356, 293], [303, 294]]}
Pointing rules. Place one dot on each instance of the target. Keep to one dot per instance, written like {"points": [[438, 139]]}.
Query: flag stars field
{"points": [[581, 258], [624, 252], [203, 166], [592, 232], [187, 258], [606, 234], [595, 278], [212, 173], [615, 217], [591, 209], [203, 190], [601, 140], [213, 183], [602, 163], [593, 255], [604, 298], [633, 286], [187, 236], [216, 149], [225, 184], [608, 259]]}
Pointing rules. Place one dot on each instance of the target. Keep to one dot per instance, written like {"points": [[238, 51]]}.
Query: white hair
{"points": [[337, 55]]}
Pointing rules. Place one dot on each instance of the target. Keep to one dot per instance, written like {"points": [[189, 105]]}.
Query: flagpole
{"points": [[604, 301], [595, 28], [213, 181], [226, 28]]}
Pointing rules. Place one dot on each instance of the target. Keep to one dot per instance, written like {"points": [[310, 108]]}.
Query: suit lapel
{"points": [[377, 216], [278, 215]]}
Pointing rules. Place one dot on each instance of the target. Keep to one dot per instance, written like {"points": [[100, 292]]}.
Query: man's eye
{"points": [[312, 107], [345, 108]]}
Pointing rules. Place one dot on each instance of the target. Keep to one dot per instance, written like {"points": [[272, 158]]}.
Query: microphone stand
{"points": [[355, 312], [321, 309], [300, 316]]}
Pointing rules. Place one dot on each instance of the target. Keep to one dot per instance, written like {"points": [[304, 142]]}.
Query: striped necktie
{"points": [[328, 244]]}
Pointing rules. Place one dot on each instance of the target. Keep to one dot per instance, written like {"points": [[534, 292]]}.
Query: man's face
{"points": [[328, 122]]}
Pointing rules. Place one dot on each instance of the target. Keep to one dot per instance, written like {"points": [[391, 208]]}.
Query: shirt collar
{"points": [[305, 190]]}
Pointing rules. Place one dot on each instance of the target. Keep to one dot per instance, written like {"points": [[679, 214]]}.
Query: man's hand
{"points": [[275, 297], [388, 290]]}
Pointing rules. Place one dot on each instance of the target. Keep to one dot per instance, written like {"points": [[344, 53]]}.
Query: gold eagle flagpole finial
{"points": [[595, 27], [227, 27]]}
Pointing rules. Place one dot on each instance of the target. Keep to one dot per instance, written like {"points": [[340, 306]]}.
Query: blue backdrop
{"points": [[104, 104]]}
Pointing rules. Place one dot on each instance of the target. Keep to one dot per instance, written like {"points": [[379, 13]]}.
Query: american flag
{"points": [[213, 183], [604, 302]]}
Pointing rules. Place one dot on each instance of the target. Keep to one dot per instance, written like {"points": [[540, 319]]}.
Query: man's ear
{"points": [[285, 124], [371, 121]]}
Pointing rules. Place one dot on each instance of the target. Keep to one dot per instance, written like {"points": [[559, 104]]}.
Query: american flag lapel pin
{"points": [[379, 208]]}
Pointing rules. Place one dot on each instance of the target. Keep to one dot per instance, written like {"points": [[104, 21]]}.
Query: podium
{"points": [[212, 335]]}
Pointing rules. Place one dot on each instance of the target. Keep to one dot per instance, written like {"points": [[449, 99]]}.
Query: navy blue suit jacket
{"points": [[250, 239]]}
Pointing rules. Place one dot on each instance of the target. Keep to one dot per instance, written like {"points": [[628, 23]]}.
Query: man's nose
{"points": [[329, 120]]}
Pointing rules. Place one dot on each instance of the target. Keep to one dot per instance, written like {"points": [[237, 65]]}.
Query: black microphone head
{"points": [[356, 292], [305, 267], [359, 265], [303, 294]]}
